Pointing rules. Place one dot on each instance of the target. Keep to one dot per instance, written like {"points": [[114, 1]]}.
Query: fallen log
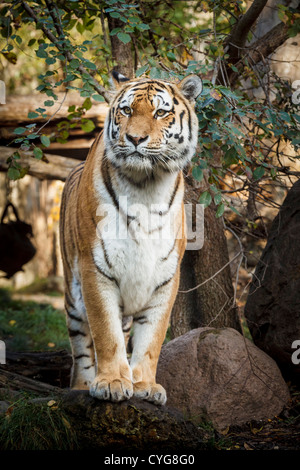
{"points": [[51, 367], [131, 425], [16, 109], [55, 168], [11, 381]]}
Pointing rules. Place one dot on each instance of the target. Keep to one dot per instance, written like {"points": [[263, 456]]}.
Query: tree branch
{"points": [[261, 48], [239, 33], [238, 36]]}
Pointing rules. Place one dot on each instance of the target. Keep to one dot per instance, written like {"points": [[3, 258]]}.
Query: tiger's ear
{"points": [[191, 87], [117, 79]]}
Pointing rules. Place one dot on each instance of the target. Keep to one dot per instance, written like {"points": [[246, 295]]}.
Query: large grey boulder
{"points": [[217, 375], [273, 305]]}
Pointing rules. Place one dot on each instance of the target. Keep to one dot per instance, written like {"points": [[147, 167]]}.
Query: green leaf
{"points": [[115, 31], [87, 104], [98, 98], [45, 140], [50, 60], [171, 56], [197, 173], [31, 42], [41, 53], [32, 115], [217, 198], [90, 65], [124, 37], [220, 210], [49, 103], [114, 14], [38, 153], [155, 73], [258, 172], [141, 70], [19, 130], [235, 210], [143, 27], [80, 27], [13, 173], [88, 125], [205, 199], [74, 63]]}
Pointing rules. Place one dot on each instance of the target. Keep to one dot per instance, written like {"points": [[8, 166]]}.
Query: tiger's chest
{"points": [[137, 247], [139, 269]]}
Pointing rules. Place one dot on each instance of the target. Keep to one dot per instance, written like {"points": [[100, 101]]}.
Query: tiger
{"points": [[120, 273]]}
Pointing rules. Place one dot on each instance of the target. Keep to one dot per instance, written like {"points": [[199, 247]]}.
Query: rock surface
{"points": [[273, 304], [219, 376]]}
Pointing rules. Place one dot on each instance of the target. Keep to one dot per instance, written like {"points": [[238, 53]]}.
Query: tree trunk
{"points": [[121, 53], [211, 304]]}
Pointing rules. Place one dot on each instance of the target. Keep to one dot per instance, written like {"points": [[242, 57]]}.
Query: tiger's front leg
{"points": [[113, 380], [150, 327]]}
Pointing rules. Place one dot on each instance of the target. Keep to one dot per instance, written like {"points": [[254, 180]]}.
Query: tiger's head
{"points": [[151, 126]]}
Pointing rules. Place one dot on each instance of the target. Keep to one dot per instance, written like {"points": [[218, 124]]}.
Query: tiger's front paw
{"points": [[151, 392], [113, 390]]}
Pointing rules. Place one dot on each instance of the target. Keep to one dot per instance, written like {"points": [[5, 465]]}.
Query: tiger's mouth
{"points": [[145, 161]]}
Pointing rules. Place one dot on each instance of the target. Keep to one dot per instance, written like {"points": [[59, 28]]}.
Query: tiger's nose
{"points": [[136, 140]]}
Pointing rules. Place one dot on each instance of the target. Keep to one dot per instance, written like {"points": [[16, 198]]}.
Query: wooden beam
{"points": [[56, 167]]}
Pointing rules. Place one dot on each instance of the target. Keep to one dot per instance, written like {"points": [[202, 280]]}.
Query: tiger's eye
{"points": [[160, 112], [126, 110]]}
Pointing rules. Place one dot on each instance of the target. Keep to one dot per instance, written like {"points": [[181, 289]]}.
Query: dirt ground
{"points": [[280, 433]]}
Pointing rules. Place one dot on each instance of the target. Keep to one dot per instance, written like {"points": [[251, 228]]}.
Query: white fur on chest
{"points": [[138, 268], [139, 251]]}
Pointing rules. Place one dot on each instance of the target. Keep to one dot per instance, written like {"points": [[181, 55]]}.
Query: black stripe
{"points": [[174, 192], [160, 212], [73, 317], [75, 333], [105, 254], [171, 251], [78, 169], [189, 123], [111, 192], [104, 274], [109, 124], [181, 118], [126, 330], [81, 355], [108, 183], [163, 284], [142, 319], [62, 228], [88, 367], [69, 301]]}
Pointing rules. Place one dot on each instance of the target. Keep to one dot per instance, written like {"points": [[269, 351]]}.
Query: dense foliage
{"points": [[238, 134]]}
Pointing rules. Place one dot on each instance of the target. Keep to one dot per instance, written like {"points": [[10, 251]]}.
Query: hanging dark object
{"points": [[16, 248]]}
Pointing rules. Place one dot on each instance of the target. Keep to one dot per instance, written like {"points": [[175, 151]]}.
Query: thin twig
{"points": [[213, 276]]}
